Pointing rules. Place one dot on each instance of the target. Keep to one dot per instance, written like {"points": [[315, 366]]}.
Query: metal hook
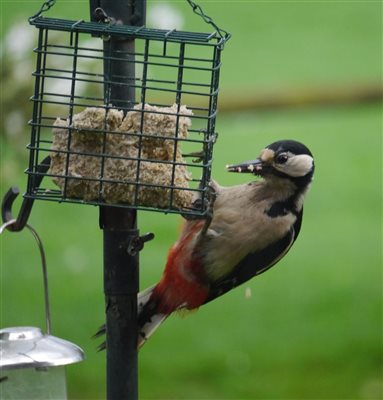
{"points": [[101, 16], [45, 7], [9, 224], [26, 207]]}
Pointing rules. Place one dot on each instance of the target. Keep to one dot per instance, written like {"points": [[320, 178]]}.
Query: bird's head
{"points": [[286, 159]]}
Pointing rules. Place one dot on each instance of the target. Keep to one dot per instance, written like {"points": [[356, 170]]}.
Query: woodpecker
{"points": [[250, 228]]}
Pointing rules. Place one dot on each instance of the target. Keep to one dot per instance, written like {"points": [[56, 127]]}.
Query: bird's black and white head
{"points": [[285, 159]]}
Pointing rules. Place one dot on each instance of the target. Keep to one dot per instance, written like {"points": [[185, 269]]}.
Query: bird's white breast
{"points": [[241, 225]]}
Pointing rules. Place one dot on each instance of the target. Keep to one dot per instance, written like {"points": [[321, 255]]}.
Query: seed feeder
{"points": [[32, 364], [123, 118]]}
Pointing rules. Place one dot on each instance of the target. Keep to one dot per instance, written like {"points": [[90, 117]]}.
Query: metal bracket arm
{"points": [[26, 206]]}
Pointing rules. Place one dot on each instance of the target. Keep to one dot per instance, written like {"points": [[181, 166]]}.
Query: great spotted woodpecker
{"points": [[252, 226]]}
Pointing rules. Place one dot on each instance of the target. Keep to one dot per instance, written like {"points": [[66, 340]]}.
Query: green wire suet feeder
{"points": [[152, 151]]}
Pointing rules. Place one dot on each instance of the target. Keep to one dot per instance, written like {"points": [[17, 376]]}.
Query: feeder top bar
{"points": [[127, 31]]}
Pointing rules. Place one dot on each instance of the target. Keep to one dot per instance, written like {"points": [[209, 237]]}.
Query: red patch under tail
{"points": [[183, 283]]}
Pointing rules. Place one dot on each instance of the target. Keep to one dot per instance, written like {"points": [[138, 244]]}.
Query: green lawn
{"points": [[313, 326]]}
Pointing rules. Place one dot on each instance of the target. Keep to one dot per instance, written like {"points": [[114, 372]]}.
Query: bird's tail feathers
{"points": [[149, 328], [143, 298], [148, 318]]}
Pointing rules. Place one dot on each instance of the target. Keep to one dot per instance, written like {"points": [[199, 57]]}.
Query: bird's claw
{"points": [[205, 202], [211, 196], [200, 155]]}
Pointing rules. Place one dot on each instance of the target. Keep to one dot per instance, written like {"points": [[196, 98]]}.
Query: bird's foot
{"points": [[204, 202], [211, 196], [199, 156]]}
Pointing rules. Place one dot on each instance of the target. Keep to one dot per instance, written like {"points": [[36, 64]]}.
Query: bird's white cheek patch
{"points": [[299, 165]]}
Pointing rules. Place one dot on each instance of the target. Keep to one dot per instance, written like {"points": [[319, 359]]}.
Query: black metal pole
{"points": [[121, 266], [121, 281]]}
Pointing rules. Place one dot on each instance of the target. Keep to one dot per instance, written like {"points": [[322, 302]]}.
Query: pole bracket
{"points": [[137, 243]]}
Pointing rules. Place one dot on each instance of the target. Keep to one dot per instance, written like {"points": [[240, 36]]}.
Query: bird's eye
{"points": [[281, 159]]}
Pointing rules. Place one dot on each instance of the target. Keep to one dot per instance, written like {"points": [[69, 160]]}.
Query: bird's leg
{"points": [[200, 155], [207, 203], [211, 196]]}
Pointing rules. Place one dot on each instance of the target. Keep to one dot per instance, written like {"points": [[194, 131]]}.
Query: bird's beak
{"points": [[254, 166]]}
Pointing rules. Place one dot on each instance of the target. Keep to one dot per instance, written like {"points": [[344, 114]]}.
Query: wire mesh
{"points": [[154, 153]]}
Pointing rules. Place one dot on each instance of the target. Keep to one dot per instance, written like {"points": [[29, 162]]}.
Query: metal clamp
{"points": [[127, 12], [101, 16]]}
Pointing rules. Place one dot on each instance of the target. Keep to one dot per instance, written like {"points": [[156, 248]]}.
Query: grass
{"points": [[313, 326]]}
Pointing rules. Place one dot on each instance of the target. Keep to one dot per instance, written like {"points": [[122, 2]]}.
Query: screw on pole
{"points": [[121, 266]]}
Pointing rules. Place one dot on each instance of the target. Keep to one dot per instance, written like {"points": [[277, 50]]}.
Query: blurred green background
{"points": [[312, 328]]}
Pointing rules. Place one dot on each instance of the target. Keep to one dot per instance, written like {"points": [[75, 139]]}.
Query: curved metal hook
{"points": [[7, 225], [26, 206]]}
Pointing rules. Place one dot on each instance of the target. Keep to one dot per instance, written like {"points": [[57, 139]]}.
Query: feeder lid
{"points": [[28, 347]]}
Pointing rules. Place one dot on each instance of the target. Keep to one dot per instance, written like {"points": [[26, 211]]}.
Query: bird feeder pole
{"points": [[119, 225], [89, 171]]}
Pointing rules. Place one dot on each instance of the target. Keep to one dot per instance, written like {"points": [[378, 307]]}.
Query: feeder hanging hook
{"points": [[45, 7], [6, 226], [198, 10]]}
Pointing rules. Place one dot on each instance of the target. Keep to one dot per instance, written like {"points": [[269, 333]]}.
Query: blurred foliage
{"points": [[313, 326]]}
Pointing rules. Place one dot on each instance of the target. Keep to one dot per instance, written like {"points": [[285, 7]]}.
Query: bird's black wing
{"points": [[256, 263]]}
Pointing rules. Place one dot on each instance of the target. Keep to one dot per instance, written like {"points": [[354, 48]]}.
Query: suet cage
{"points": [[152, 152]]}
